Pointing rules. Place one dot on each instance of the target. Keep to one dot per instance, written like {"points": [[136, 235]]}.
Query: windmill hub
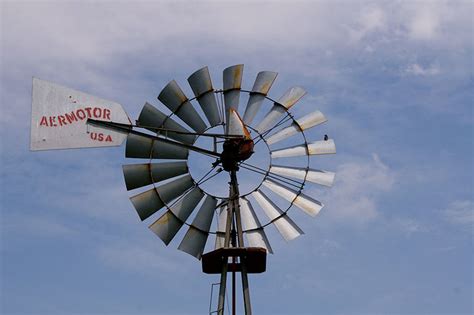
{"points": [[235, 151]]}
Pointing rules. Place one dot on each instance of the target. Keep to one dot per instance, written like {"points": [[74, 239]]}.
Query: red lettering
{"points": [[75, 116], [62, 120], [108, 139], [52, 121], [100, 137], [88, 110], [44, 121], [71, 117], [93, 135], [81, 114], [97, 112], [107, 114]]}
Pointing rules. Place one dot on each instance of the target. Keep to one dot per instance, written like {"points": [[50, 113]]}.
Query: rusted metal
{"points": [[148, 202], [201, 84], [232, 78], [153, 119], [291, 96], [172, 220], [195, 239], [174, 98], [260, 89]]}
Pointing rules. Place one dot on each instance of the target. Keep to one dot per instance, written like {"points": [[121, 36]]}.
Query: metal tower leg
{"points": [[240, 237], [234, 212], [225, 265]]}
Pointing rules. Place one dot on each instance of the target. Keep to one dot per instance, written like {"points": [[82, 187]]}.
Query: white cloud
{"points": [[425, 23], [408, 226], [370, 20], [460, 212], [419, 70], [357, 188]]}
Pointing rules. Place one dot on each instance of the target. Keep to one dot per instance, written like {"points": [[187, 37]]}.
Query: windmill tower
{"points": [[167, 188]]}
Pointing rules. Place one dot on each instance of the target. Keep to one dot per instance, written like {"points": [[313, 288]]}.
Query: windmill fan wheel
{"points": [[171, 195]]}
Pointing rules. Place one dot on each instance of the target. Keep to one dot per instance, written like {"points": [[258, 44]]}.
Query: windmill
{"points": [[170, 194]]}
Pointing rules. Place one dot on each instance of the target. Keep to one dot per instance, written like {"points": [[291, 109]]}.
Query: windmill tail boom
{"points": [[59, 118]]}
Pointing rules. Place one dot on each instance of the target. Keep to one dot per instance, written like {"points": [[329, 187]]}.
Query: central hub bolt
{"points": [[235, 151]]}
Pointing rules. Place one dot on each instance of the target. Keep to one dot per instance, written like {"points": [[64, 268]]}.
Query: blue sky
{"points": [[395, 80]]}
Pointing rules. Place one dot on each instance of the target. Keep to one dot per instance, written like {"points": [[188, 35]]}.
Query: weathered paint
{"points": [[59, 115], [291, 96], [256, 237], [201, 84], [174, 98], [302, 201], [314, 148], [262, 85], [301, 124], [172, 220], [150, 118], [312, 175], [287, 228]]}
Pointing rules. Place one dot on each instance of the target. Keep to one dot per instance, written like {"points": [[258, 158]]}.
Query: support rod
{"points": [[240, 237], [124, 128], [225, 265]]}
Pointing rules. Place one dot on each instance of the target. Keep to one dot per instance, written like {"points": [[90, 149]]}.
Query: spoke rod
{"points": [[282, 121], [124, 128], [214, 135], [274, 176]]}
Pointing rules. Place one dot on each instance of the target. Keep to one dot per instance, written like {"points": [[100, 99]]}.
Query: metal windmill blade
{"points": [[200, 82], [286, 101], [262, 85], [313, 148], [299, 125], [166, 189], [174, 98], [232, 77]]}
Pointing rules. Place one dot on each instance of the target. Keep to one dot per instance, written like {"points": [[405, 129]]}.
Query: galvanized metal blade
{"points": [[139, 175], [172, 220], [302, 201], [256, 237], [195, 239], [312, 175], [146, 148], [260, 89], [236, 126], [304, 123], [221, 224], [285, 226], [148, 202], [151, 118], [201, 84], [174, 98], [285, 102], [314, 148], [232, 77]]}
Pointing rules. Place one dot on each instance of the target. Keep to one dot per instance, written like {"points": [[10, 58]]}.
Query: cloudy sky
{"points": [[395, 80]]}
